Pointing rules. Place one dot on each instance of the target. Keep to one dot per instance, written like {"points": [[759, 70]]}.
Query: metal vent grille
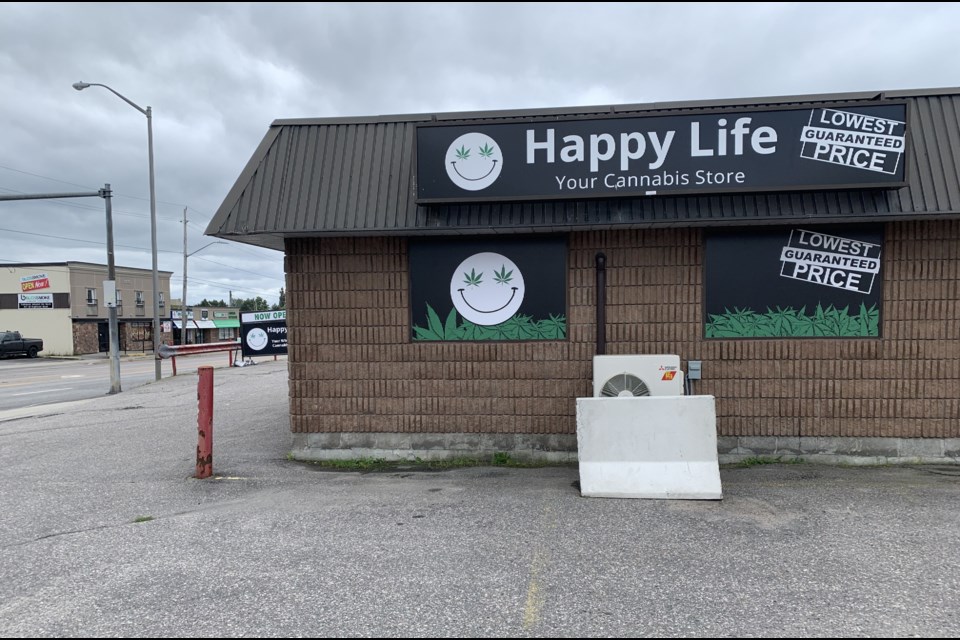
{"points": [[624, 385]]}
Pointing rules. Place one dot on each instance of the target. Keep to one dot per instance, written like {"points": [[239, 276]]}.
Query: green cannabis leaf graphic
{"points": [[472, 278], [519, 327], [463, 153], [486, 151], [503, 276], [795, 323]]}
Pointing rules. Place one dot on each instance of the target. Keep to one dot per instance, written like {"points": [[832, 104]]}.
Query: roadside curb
{"points": [[101, 358], [41, 410]]}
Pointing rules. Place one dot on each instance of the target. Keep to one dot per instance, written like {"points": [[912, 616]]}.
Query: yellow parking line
{"points": [[535, 598], [534, 603]]}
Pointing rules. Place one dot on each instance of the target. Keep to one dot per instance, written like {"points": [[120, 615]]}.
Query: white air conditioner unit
{"points": [[632, 376]]}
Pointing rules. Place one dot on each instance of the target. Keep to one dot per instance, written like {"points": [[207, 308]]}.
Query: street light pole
{"points": [[183, 303], [153, 249], [148, 112]]}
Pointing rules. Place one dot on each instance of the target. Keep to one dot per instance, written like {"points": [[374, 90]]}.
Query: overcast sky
{"points": [[217, 75]]}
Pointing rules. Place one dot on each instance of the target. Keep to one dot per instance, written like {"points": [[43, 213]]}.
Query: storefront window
{"points": [[794, 282]]}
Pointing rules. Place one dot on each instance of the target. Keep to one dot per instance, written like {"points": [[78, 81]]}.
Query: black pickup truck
{"points": [[13, 344]]}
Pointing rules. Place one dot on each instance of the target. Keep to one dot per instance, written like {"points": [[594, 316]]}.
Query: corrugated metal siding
{"points": [[353, 177]]}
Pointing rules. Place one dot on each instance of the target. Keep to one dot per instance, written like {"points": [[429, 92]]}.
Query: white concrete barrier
{"points": [[650, 447]]}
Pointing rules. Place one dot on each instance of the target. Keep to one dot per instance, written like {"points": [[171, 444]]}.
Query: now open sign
{"points": [[263, 333]]}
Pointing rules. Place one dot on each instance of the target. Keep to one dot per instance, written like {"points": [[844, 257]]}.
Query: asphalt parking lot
{"points": [[103, 532]]}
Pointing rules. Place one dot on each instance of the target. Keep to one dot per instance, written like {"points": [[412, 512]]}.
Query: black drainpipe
{"points": [[601, 303]]}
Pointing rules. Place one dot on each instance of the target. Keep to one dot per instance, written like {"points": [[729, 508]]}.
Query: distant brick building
{"points": [[205, 324], [63, 303], [442, 270]]}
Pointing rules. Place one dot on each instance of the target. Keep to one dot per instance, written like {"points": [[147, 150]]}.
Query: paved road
{"points": [[26, 382], [277, 548]]}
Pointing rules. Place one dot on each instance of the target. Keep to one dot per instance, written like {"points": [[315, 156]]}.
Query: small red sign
{"points": [[33, 285], [668, 375]]}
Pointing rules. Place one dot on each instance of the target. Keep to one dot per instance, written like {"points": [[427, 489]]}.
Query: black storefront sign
{"points": [[494, 289], [263, 333], [794, 282], [821, 147]]}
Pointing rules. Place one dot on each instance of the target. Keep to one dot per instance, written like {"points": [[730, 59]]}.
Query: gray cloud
{"points": [[216, 76]]}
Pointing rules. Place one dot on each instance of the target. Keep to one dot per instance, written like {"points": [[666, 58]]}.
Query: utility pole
{"points": [[111, 302], [108, 299], [183, 303]]}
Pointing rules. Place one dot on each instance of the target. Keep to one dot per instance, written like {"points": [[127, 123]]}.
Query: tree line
{"points": [[249, 304]]}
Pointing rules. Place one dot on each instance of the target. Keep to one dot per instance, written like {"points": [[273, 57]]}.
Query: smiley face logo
{"points": [[474, 161], [257, 339], [487, 288]]}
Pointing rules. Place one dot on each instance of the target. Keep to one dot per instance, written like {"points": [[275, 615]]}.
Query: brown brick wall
{"points": [[354, 369]]}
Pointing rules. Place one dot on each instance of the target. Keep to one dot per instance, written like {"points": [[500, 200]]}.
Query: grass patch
{"points": [[140, 519], [498, 459], [440, 465], [755, 461], [357, 464]]}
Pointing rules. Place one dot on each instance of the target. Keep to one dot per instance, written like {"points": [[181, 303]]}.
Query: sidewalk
{"points": [[124, 355], [277, 548]]}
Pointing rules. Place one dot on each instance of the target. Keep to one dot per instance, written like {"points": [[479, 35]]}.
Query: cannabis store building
{"points": [[450, 276]]}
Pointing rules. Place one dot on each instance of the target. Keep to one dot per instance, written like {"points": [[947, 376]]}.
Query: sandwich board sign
{"points": [[263, 333]]}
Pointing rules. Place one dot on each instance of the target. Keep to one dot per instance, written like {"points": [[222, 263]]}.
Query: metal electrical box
{"points": [[109, 293]]}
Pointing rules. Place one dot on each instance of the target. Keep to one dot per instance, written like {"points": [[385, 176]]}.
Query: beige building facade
{"points": [[63, 304]]}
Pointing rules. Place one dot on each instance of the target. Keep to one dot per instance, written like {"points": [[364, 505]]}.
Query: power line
{"points": [[46, 235], [127, 246], [115, 194], [200, 213], [93, 208], [88, 207], [237, 268], [131, 214], [37, 175], [235, 244], [220, 285], [246, 249]]}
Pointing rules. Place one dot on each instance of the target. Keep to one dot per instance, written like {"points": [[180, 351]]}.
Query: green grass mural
{"points": [[519, 327], [796, 323]]}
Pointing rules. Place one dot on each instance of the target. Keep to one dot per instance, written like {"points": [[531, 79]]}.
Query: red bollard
{"points": [[204, 423], [173, 361]]}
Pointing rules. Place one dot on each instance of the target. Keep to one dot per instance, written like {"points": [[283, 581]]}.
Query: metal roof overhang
{"points": [[312, 178]]}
